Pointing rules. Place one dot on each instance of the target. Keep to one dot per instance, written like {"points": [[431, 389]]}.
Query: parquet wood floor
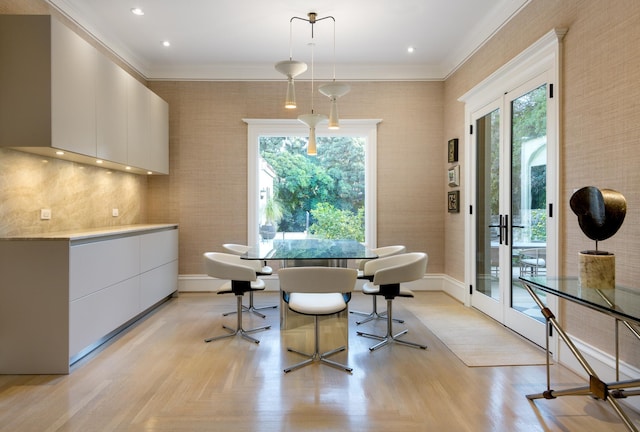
{"points": [[160, 376]]}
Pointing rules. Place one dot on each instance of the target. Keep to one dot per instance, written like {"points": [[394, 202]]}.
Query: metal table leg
{"points": [[596, 387]]}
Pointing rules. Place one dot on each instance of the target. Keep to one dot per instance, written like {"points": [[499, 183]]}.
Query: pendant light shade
{"points": [[291, 69], [333, 91], [312, 120]]}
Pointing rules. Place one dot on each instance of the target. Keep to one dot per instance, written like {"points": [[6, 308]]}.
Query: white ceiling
{"points": [[243, 39]]}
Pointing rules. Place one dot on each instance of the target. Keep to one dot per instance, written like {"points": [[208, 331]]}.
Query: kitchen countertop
{"points": [[91, 233]]}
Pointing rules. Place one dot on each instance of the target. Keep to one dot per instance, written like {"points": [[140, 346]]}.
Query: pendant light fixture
{"points": [[333, 90]]}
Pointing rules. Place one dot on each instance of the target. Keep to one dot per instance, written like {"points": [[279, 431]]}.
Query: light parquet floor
{"points": [[160, 376]]}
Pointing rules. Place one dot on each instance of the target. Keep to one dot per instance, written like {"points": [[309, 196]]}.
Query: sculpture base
{"points": [[597, 269]]}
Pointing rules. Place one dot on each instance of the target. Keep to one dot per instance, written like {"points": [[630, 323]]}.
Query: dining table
{"points": [[335, 253], [298, 252]]}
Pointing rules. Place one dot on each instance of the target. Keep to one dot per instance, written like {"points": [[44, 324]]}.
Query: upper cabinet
{"points": [[60, 97]]}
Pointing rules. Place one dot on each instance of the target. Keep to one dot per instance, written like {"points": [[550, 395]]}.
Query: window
{"points": [[259, 188]]}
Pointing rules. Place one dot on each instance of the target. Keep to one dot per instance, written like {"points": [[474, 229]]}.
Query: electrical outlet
{"points": [[45, 214], [114, 212]]}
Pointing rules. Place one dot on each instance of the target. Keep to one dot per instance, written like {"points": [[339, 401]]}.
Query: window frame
{"points": [[366, 128]]}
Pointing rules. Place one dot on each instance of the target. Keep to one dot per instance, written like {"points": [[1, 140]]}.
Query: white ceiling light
{"points": [[137, 11]]}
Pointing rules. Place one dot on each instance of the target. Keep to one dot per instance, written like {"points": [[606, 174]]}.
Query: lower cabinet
{"points": [[63, 296]]}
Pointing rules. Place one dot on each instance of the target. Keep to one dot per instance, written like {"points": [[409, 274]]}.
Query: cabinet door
{"points": [[111, 111], [98, 265], [73, 71], [158, 134], [94, 316], [137, 120]]}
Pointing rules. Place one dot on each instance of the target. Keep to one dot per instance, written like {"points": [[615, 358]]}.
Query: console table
{"points": [[621, 303]]}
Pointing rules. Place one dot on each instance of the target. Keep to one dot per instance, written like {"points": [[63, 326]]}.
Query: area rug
{"points": [[473, 337]]}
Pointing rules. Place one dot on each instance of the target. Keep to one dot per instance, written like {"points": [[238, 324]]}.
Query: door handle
{"points": [[506, 230]]}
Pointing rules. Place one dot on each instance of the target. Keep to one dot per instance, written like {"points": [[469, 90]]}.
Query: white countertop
{"points": [[90, 233]]}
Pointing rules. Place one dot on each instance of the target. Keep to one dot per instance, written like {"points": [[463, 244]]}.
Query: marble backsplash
{"points": [[79, 196]]}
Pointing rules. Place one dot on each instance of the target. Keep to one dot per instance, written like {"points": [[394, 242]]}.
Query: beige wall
{"points": [[600, 140], [206, 192]]}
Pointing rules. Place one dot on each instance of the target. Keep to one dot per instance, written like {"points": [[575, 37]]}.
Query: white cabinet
{"points": [[60, 93], [73, 91], [111, 111], [148, 131], [62, 296]]}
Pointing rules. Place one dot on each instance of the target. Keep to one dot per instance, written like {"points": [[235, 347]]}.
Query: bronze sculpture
{"points": [[600, 212]]}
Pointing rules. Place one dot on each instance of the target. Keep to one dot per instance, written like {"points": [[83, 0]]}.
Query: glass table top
{"points": [[620, 302], [297, 249]]}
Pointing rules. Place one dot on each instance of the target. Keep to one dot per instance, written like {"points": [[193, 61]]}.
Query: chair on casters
{"points": [[388, 274], [317, 291], [242, 279], [262, 269], [382, 252]]}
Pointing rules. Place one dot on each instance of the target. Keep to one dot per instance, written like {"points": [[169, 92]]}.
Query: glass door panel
{"points": [[488, 219], [528, 194]]}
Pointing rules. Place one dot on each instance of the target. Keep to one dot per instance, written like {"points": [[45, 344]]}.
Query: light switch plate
{"points": [[45, 214]]}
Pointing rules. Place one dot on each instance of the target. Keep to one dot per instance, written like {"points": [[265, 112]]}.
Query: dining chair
{"points": [[388, 275], [317, 291], [382, 252], [262, 269], [242, 278]]}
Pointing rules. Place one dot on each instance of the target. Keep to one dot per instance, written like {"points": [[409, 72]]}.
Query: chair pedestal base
{"points": [[390, 337], [374, 315], [239, 330], [251, 308], [317, 356]]}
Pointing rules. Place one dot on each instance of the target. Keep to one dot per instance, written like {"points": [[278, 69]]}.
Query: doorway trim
{"points": [[543, 57]]}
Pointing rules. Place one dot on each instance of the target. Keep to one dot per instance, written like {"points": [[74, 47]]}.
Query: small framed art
{"points": [[453, 150], [453, 201], [453, 176]]}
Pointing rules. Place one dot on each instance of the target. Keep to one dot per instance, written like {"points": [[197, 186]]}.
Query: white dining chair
{"points": [[388, 275], [242, 279], [317, 291]]}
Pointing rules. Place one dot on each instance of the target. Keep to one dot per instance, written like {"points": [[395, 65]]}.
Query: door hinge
{"points": [[551, 91], [550, 210], [470, 209], [470, 129], [470, 289]]}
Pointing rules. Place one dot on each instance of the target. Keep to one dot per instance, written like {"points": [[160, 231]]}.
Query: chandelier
{"points": [[333, 90]]}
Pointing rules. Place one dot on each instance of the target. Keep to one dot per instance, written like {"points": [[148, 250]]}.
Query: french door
{"points": [[514, 233]]}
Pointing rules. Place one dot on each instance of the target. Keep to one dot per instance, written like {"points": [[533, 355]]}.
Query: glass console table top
{"points": [[296, 249], [620, 302]]}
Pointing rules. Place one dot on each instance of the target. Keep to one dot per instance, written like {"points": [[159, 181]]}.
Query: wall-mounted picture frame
{"points": [[453, 201], [453, 176], [453, 150]]}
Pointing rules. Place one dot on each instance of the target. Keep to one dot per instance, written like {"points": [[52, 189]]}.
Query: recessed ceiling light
{"points": [[137, 11], [410, 49], [166, 43]]}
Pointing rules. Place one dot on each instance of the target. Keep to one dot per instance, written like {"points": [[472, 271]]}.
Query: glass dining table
{"points": [[311, 252]]}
